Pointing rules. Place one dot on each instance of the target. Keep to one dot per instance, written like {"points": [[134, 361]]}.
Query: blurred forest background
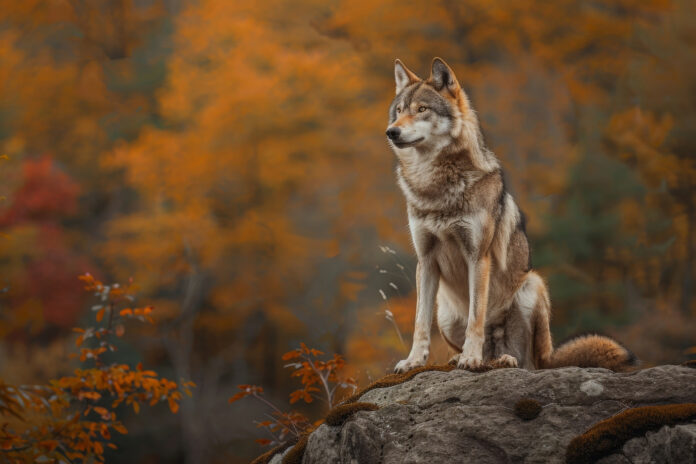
{"points": [[230, 157]]}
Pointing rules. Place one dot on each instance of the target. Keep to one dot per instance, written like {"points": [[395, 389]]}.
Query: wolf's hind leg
{"points": [[498, 353], [519, 328]]}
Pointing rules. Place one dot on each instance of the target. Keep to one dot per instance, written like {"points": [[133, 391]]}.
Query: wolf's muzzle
{"points": [[393, 133]]}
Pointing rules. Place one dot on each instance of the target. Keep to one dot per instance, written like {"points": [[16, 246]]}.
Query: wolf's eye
{"points": [[398, 109], [421, 109]]}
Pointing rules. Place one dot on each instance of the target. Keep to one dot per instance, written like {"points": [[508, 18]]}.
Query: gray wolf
{"points": [[470, 240]]}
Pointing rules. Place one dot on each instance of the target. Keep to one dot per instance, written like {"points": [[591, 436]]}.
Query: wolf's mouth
{"points": [[408, 144]]}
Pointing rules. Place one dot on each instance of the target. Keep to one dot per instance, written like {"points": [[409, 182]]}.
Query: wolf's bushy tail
{"points": [[589, 350], [592, 351]]}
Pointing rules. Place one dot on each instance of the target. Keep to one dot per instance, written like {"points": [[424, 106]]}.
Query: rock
{"points": [[466, 417], [668, 445]]}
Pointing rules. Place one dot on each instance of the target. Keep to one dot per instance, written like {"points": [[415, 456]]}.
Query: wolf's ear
{"points": [[403, 76], [442, 77]]}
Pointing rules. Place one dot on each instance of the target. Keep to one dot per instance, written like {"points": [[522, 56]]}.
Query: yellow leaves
{"points": [[126, 312], [100, 315]]}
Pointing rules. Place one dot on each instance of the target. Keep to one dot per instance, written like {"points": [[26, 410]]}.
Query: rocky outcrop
{"points": [[466, 417]]}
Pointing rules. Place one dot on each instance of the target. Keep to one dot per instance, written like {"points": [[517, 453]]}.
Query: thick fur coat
{"points": [[469, 235]]}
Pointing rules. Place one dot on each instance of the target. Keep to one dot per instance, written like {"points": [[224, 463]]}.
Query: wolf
{"points": [[470, 239]]}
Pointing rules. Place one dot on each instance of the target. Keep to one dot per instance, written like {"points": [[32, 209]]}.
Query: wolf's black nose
{"points": [[393, 133]]}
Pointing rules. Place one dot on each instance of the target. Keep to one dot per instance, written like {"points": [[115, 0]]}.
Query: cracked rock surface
{"points": [[464, 417]]}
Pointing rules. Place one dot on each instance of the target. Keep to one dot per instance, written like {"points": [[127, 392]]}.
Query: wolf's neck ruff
{"points": [[439, 180]]}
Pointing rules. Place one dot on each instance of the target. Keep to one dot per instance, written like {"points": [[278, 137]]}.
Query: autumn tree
{"points": [[231, 156]]}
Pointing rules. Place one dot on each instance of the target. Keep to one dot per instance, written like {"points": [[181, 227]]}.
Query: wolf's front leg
{"points": [[472, 351], [427, 281]]}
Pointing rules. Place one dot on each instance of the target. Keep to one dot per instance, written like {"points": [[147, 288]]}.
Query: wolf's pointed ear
{"points": [[403, 76], [442, 77]]}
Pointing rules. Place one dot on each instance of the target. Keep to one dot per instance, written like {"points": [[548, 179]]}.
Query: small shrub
{"points": [[72, 419], [323, 380]]}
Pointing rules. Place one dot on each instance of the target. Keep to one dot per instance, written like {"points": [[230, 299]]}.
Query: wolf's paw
{"points": [[406, 365], [505, 361], [470, 363]]}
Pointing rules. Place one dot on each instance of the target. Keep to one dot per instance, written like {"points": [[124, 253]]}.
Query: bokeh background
{"points": [[230, 157]]}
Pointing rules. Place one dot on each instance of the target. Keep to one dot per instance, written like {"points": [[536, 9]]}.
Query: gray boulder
{"points": [[464, 417]]}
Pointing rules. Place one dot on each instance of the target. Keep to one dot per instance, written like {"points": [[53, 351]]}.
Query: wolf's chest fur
{"points": [[449, 202], [455, 215]]}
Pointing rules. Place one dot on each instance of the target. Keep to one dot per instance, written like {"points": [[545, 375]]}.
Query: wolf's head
{"points": [[429, 116]]}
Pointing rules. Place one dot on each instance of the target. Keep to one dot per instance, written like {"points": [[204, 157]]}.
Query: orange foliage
{"points": [[320, 379], [72, 417], [230, 155]]}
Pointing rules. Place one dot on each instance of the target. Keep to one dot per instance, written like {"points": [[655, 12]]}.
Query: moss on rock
{"points": [[395, 379], [294, 456], [339, 414], [609, 435], [527, 409], [268, 455], [691, 363]]}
